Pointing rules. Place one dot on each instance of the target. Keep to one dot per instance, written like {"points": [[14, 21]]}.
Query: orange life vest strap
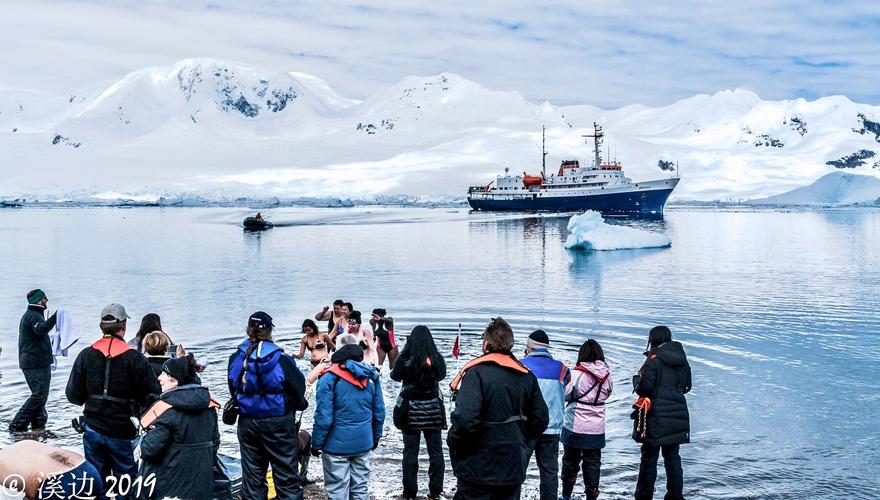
{"points": [[347, 376], [505, 360], [153, 414]]}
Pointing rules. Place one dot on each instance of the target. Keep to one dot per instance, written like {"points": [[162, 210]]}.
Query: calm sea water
{"points": [[777, 312]]}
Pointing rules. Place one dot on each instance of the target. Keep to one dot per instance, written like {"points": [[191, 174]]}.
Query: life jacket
{"points": [[160, 407], [258, 380], [505, 360], [360, 383], [110, 346]]}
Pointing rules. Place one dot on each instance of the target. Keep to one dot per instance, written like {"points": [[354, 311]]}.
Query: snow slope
{"points": [[214, 129], [836, 188]]}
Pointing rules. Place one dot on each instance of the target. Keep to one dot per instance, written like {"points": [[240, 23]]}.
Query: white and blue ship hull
{"points": [[645, 199]]}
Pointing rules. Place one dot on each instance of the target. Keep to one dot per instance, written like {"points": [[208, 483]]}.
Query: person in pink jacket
{"points": [[583, 429]]}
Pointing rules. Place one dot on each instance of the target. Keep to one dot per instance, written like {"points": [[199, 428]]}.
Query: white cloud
{"points": [[603, 53]]}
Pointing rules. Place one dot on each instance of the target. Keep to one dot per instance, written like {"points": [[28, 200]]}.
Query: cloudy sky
{"points": [[607, 53]]}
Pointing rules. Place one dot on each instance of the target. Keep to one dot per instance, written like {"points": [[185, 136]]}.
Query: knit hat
{"points": [[35, 296], [355, 316], [379, 311], [183, 369], [538, 340]]}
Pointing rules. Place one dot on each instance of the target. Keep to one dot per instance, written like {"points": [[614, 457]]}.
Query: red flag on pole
{"points": [[456, 349]]}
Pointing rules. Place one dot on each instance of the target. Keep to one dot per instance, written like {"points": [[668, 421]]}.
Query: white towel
{"points": [[64, 337]]}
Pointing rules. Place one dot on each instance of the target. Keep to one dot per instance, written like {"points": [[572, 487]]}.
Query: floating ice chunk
{"points": [[589, 232]]}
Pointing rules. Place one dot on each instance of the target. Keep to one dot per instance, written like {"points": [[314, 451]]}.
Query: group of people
{"points": [[506, 409]]}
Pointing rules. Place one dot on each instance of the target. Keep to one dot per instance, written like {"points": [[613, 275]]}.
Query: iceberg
{"points": [[588, 231]]}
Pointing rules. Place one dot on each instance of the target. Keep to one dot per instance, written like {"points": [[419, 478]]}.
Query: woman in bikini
{"points": [[317, 342]]}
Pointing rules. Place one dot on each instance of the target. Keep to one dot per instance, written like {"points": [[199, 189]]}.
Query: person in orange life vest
{"points": [[664, 378], [349, 414], [111, 380], [498, 409], [180, 446]]}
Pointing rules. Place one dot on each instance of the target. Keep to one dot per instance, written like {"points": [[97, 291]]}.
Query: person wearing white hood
{"points": [[583, 430]]}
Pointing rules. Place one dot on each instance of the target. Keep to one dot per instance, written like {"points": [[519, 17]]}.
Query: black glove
{"points": [[316, 452]]}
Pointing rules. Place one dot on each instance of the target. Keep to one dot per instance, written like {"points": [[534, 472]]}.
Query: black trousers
{"points": [[648, 472], [474, 491], [33, 411], [546, 449], [436, 465], [265, 441], [577, 458]]}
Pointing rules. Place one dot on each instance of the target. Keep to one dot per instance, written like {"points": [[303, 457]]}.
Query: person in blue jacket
{"points": [[269, 389], [349, 414], [552, 378]]}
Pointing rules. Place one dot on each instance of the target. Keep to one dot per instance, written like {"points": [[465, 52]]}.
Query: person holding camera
{"points": [[269, 389], [663, 380], [383, 331]]}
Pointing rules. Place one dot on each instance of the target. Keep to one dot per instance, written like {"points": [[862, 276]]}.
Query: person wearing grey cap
{"points": [[35, 361], [112, 381]]}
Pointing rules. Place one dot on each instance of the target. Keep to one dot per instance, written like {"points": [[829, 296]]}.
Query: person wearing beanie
{"points": [[269, 390], [348, 419], [664, 378], [182, 438], [35, 362], [552, 378]]}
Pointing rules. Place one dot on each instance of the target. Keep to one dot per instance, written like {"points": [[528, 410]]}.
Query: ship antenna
{"points": [[543, 154], [597, 142]]}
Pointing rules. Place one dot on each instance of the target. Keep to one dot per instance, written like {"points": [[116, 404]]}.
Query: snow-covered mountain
{"points": [[836, 188], [210, 128]]}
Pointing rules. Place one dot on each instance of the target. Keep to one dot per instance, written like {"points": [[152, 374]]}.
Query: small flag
{"points": [[456, 349]]}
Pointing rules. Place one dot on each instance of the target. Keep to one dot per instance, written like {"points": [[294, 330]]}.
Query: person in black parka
{"points": [[664, 378], [499, 408], [35, 361], [180, 446], [420, 409]]}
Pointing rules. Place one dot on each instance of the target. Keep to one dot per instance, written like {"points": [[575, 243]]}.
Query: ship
{"points": [[602, 187]]}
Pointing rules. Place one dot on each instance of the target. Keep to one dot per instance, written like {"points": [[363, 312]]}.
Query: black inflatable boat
{"points": [[255, 224]]}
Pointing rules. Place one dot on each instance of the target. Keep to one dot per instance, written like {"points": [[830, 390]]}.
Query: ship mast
{"points": [[597, 142], [543, 154]]}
